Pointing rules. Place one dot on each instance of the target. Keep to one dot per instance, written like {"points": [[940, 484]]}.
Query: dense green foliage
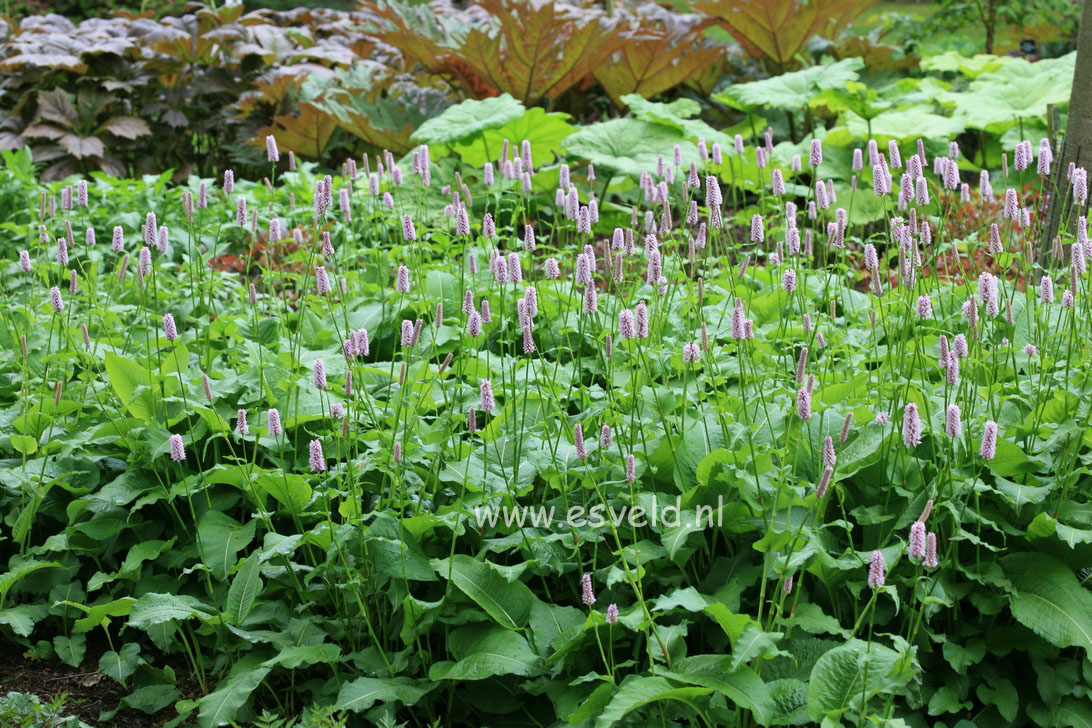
{"points": [[335, 559]]}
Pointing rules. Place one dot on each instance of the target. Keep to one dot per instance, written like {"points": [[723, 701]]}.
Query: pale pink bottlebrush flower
{"points": [[578, 439], [876, 571], [612, 614], [403, 280], [178, 450], [271, 152], [911, 425], [989, 441], [803, 403], [916, 549], [316, 457], [55, 299], [318, 372], [241, 425], [488, 403], [587, 595], [170, 331], [953, 425], [931, 561], [273, 418]]}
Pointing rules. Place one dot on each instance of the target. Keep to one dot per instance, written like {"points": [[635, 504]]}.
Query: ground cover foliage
{"points": [[252, 424]]}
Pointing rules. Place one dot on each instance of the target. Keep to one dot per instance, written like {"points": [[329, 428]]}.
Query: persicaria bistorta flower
{"points": [[318, 370], [925, 307], [240, 423], [323, 280], [178, 451], [931, 561], [690, 353], [170, 331], [916, 548], [587, 596], [578, 438], [273, 417], [271, 152], [876, 570], [911, 425], [318, 460], [803, 403], [952, 420], [612, 614], [486, 391], [403, 281], [989, 441], [55, 299]]}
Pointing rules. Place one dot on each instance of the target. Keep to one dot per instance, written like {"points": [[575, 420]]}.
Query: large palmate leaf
{"points": [[545, 131], [1047, 598], [897, 124], [531, 50], [626, 146], [649, 66], [797, 89], [777, 31], [307, 131], [468, 119], [1006, 100], [677, 114]]}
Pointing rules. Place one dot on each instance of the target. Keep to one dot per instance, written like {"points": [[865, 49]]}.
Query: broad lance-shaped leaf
{"points": [[469, 118], [841, 674], [245, 586], [220, 707], [152, 609], [741, 686], [1047, 598], [221, 538], [637, 691], [364, 692], [508, 602], [485, 651]]}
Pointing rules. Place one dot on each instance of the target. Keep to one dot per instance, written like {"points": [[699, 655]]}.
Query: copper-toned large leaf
{"points": [[307, 132], [80, 147], [777, 31], [531, 49], [126, 126], [57, 106], [655, 64]]}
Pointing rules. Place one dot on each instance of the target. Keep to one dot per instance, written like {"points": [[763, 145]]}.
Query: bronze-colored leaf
{"points": [[306, 132], [127, 127], [44, 131], [81, 147], [57, 106], [656, 63], [777, 31]]}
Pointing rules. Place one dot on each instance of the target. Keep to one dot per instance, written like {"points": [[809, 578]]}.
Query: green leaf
{"points": [[245, 587], [900, 125], [120, 665], [743, 686], [468, 118], [126, 377], [636, 691], [508, 602], [545, 131], [298, 655], [841, 674], [24, 444], [626, 146], [70, 649], [221, 538], [1048, 599], [96, 615], [795, 90], [365, 692], [23, 617], [220, 707], [9, 578], [485, 651], [154, 608]]}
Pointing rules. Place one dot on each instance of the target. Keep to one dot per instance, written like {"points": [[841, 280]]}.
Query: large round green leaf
{"points": [[469, 118], [627, 146]]}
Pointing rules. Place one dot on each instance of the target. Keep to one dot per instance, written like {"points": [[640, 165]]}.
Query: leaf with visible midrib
{"points": [[508, 602], [637, 691], [244, 589], [1047, 599], [365, 692]]}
